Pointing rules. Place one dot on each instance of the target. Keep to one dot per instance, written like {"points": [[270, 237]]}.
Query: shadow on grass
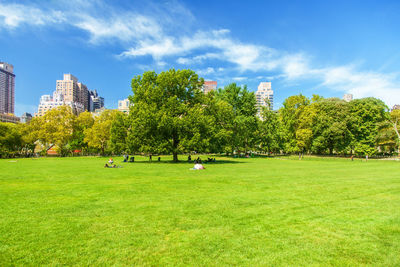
{"points": [[260, 156], [184, 162]]}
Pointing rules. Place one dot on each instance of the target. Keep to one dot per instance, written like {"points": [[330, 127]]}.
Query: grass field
{"points": [[262, 211]]}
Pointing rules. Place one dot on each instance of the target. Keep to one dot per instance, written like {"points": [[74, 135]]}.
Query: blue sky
{"points": [[309, 47]]}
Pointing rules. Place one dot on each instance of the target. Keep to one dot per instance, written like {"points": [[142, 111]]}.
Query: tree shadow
{"points": [[217, 162], [260, 156]]}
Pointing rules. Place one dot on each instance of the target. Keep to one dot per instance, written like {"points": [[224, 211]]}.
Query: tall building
{"points": [[68, 87], [209, 86], [83, 95], [48, 102], [124, 105], [396, 107], [347, 97], [95, 101], [265, 96], [7, 88], [72, 90], [68, 92], [90, 101], [6, 117], [26, 117]]}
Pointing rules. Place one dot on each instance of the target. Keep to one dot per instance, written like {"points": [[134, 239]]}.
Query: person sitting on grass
{"points": [[110, 161], [111, 166]]}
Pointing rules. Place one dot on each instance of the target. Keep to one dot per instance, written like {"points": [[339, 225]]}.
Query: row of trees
{"points": [[171, 115], [327, 126], [60, 128]]}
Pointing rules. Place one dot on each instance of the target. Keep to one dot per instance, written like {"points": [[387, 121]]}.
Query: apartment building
{"points": [[7, 88], [265, 96]]}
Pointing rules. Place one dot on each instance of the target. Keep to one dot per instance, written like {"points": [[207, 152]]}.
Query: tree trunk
{"points": [[398, 151], [175, 143], [175, 154], [398, 136]]}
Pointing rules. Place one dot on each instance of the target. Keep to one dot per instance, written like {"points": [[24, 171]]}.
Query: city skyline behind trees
{"points": [[171, 115]]}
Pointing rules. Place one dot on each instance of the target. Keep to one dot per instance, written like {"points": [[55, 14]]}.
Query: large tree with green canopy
{"points": [[98, 136], [269, 131], [293, 133], [367, 115], [244, 124], [169, 113], [331, 126]]}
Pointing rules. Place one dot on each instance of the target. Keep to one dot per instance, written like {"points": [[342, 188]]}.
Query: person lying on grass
{"points": [[198, 166]]}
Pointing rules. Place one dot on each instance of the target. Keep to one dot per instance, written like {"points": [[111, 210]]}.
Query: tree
{"points": [[222, 116], [244, 108], [28, 139], [169, 114], [269, 131], [388, 135], [306, 120], [99, 134], [10, 139], [394, 120], [119, 132], [84, 121], [331, 126], [56, 127], [290, 114], [367, 114]]}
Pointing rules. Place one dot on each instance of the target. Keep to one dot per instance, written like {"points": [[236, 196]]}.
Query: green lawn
{"points": [[263, 211]]}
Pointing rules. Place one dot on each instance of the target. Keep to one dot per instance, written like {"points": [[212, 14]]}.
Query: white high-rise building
{"points": [[347, 97], [48, 102], [7, 88], [72, 90], [69, 92], [96, 101], [124, 105], [265, 96]]}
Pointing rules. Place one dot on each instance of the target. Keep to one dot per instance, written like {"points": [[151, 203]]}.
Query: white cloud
{"points": [[13, 15], [183, 60], [123, 27], [347, 79], [99, 20], [363, 84], [295, 66], [244, 56], [198, 59], [155, 34], [206, 71], [239, 79], [161, 63]]}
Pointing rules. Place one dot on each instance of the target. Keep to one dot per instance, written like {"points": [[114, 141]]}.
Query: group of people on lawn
{"points": [[197, 162]]}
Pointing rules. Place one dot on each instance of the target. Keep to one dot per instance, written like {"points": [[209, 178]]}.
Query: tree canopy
{"points": [[170, 114]]}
